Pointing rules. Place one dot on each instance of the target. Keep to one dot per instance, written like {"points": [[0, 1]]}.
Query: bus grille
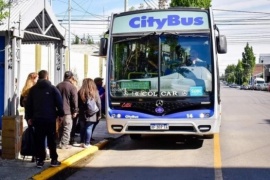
{"points": [[169, 107]]}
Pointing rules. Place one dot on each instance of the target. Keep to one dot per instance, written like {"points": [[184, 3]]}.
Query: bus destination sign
{"points": [[135, 85]]}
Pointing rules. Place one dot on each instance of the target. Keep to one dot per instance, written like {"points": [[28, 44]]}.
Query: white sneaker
{"points": [[76, 144], [47, 154], [86, 145]]}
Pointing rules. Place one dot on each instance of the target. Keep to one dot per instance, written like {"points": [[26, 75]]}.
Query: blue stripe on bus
{"points": [[202, 113]]}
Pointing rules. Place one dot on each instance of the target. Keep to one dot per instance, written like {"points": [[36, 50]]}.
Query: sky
{"points": [[241, 21]]}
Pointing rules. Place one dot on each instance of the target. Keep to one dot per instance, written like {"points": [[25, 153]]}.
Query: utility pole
{"points": [[69, 38], [126, 5], [262, 69]]}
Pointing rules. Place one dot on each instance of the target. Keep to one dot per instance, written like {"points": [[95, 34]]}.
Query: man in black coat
{"points": [[44, 104]]}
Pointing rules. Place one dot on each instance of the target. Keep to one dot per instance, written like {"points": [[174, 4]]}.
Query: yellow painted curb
{"points": [[51, 171]]}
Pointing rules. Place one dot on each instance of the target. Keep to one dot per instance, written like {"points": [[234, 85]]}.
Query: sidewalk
{"points": [[21, 170]]}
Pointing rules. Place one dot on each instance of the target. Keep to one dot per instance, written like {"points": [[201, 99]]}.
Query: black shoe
{"points": [[55, 163], [33, 159], [40, 164], [92, 139], [72, 141]]}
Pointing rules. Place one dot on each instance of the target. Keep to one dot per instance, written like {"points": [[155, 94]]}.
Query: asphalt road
{"points": [[240, 151]]}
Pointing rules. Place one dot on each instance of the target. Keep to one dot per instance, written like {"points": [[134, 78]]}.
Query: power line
{"points": [[97, 16], [238, 11]]}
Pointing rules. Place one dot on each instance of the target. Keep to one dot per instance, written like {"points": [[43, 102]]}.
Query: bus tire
{"points": [[135, 136]]}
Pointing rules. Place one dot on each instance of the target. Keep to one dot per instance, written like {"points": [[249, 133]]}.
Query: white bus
{"points": [[162, 72]]}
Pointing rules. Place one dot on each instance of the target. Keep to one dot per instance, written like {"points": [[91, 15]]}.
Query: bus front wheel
{"points": [[135, 136]]}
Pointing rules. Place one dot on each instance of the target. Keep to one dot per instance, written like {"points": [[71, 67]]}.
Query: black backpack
{"points": [[28, 142]]}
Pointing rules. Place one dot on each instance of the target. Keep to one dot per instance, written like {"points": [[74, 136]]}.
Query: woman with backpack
{"points": [[89, 105]]}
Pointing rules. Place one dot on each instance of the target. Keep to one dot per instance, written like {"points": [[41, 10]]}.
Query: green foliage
{"points": [[242, 72], [249, 62], [239, 72], [132, 8], [230, 75], [90, 40], [248, 56], [3, 10], [191, 3], [77, 40]]}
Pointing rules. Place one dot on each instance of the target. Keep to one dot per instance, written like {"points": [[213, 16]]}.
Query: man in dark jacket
{"points": [[70, 102], [44, 104]]}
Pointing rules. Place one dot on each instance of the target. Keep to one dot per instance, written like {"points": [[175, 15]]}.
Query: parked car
{"points": [[244, 87], [234, 85]]}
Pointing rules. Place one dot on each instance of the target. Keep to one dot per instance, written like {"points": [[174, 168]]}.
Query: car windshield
{"points": [[161, 65]]}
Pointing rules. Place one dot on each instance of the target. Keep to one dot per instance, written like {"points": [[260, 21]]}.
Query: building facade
{"points": [[264, 65]]}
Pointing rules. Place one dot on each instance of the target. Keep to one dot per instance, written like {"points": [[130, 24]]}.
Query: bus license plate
{"points": [[159, 126]]}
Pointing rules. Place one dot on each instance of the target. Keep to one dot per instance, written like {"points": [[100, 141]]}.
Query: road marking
{"points": [[217, 158], [51, 171]]}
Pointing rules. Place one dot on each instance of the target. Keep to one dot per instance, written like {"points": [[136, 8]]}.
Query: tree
{"points": [[230, 73], [239, 72], [132, 8], [191, 3], [90, 39], [141, 6], [77, 40], [3, 9], [249, 61]]}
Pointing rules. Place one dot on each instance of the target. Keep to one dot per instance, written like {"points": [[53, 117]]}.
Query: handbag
{"points": [[91, 107], [28, 142]]}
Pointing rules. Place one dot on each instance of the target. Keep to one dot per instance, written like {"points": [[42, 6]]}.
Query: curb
{"points": [[51, 171]]}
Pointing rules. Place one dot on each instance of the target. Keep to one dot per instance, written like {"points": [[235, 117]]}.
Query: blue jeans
{"points": [[86, 131]]}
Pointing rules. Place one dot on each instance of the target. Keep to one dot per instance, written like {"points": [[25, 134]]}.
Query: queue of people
{"points": [[45, 104]]}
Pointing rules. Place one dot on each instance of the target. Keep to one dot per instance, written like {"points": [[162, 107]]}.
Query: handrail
{"points": [[131, 73]]}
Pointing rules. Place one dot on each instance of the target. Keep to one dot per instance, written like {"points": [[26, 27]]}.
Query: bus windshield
{"points": [[161, 65]]}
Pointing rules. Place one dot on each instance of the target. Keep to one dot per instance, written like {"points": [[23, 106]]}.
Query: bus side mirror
{"points": [[103, 47], [221, 44]]}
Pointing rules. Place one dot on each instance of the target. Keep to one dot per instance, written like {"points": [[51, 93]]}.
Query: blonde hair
{"points": [[30, 81], [88, 89]]}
